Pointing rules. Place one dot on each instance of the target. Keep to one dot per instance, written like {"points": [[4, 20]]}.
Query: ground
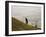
{"points": [[17, 25]]}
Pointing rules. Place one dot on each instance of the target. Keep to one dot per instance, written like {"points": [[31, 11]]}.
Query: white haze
{"points": [[33, 13]]}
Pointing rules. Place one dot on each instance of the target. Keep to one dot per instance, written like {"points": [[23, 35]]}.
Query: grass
{"points": [[17, 25]]}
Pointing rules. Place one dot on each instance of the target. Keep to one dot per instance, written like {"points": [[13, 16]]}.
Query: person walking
{"points": [[26, 20]]}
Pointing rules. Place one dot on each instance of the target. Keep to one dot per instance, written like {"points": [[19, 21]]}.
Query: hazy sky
{"points": [[25, 10]]}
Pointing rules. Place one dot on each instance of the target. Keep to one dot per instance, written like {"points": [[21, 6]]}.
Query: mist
{"points": [[30, 12]]}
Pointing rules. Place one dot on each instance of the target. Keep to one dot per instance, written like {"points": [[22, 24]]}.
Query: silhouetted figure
{"points": [[26, 20]]}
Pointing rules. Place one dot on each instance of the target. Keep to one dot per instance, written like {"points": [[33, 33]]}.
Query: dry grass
{"points": [[17, 25]]}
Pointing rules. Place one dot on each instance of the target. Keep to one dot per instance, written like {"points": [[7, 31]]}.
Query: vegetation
{"points": [[17, 25]]}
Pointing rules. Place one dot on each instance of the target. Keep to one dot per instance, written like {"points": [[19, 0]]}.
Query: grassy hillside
{"points": [[18, 25]]}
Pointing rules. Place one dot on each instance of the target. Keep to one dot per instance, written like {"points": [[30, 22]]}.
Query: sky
{"points": [[25, 10]]}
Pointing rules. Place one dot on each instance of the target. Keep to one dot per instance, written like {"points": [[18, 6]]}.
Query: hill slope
{"points": [[17, 25]]}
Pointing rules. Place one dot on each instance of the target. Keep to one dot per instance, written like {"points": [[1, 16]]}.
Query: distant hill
{"points": [[18, 25]]}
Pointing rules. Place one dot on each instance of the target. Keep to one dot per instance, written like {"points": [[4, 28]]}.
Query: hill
{"points": [[18, 25]]}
